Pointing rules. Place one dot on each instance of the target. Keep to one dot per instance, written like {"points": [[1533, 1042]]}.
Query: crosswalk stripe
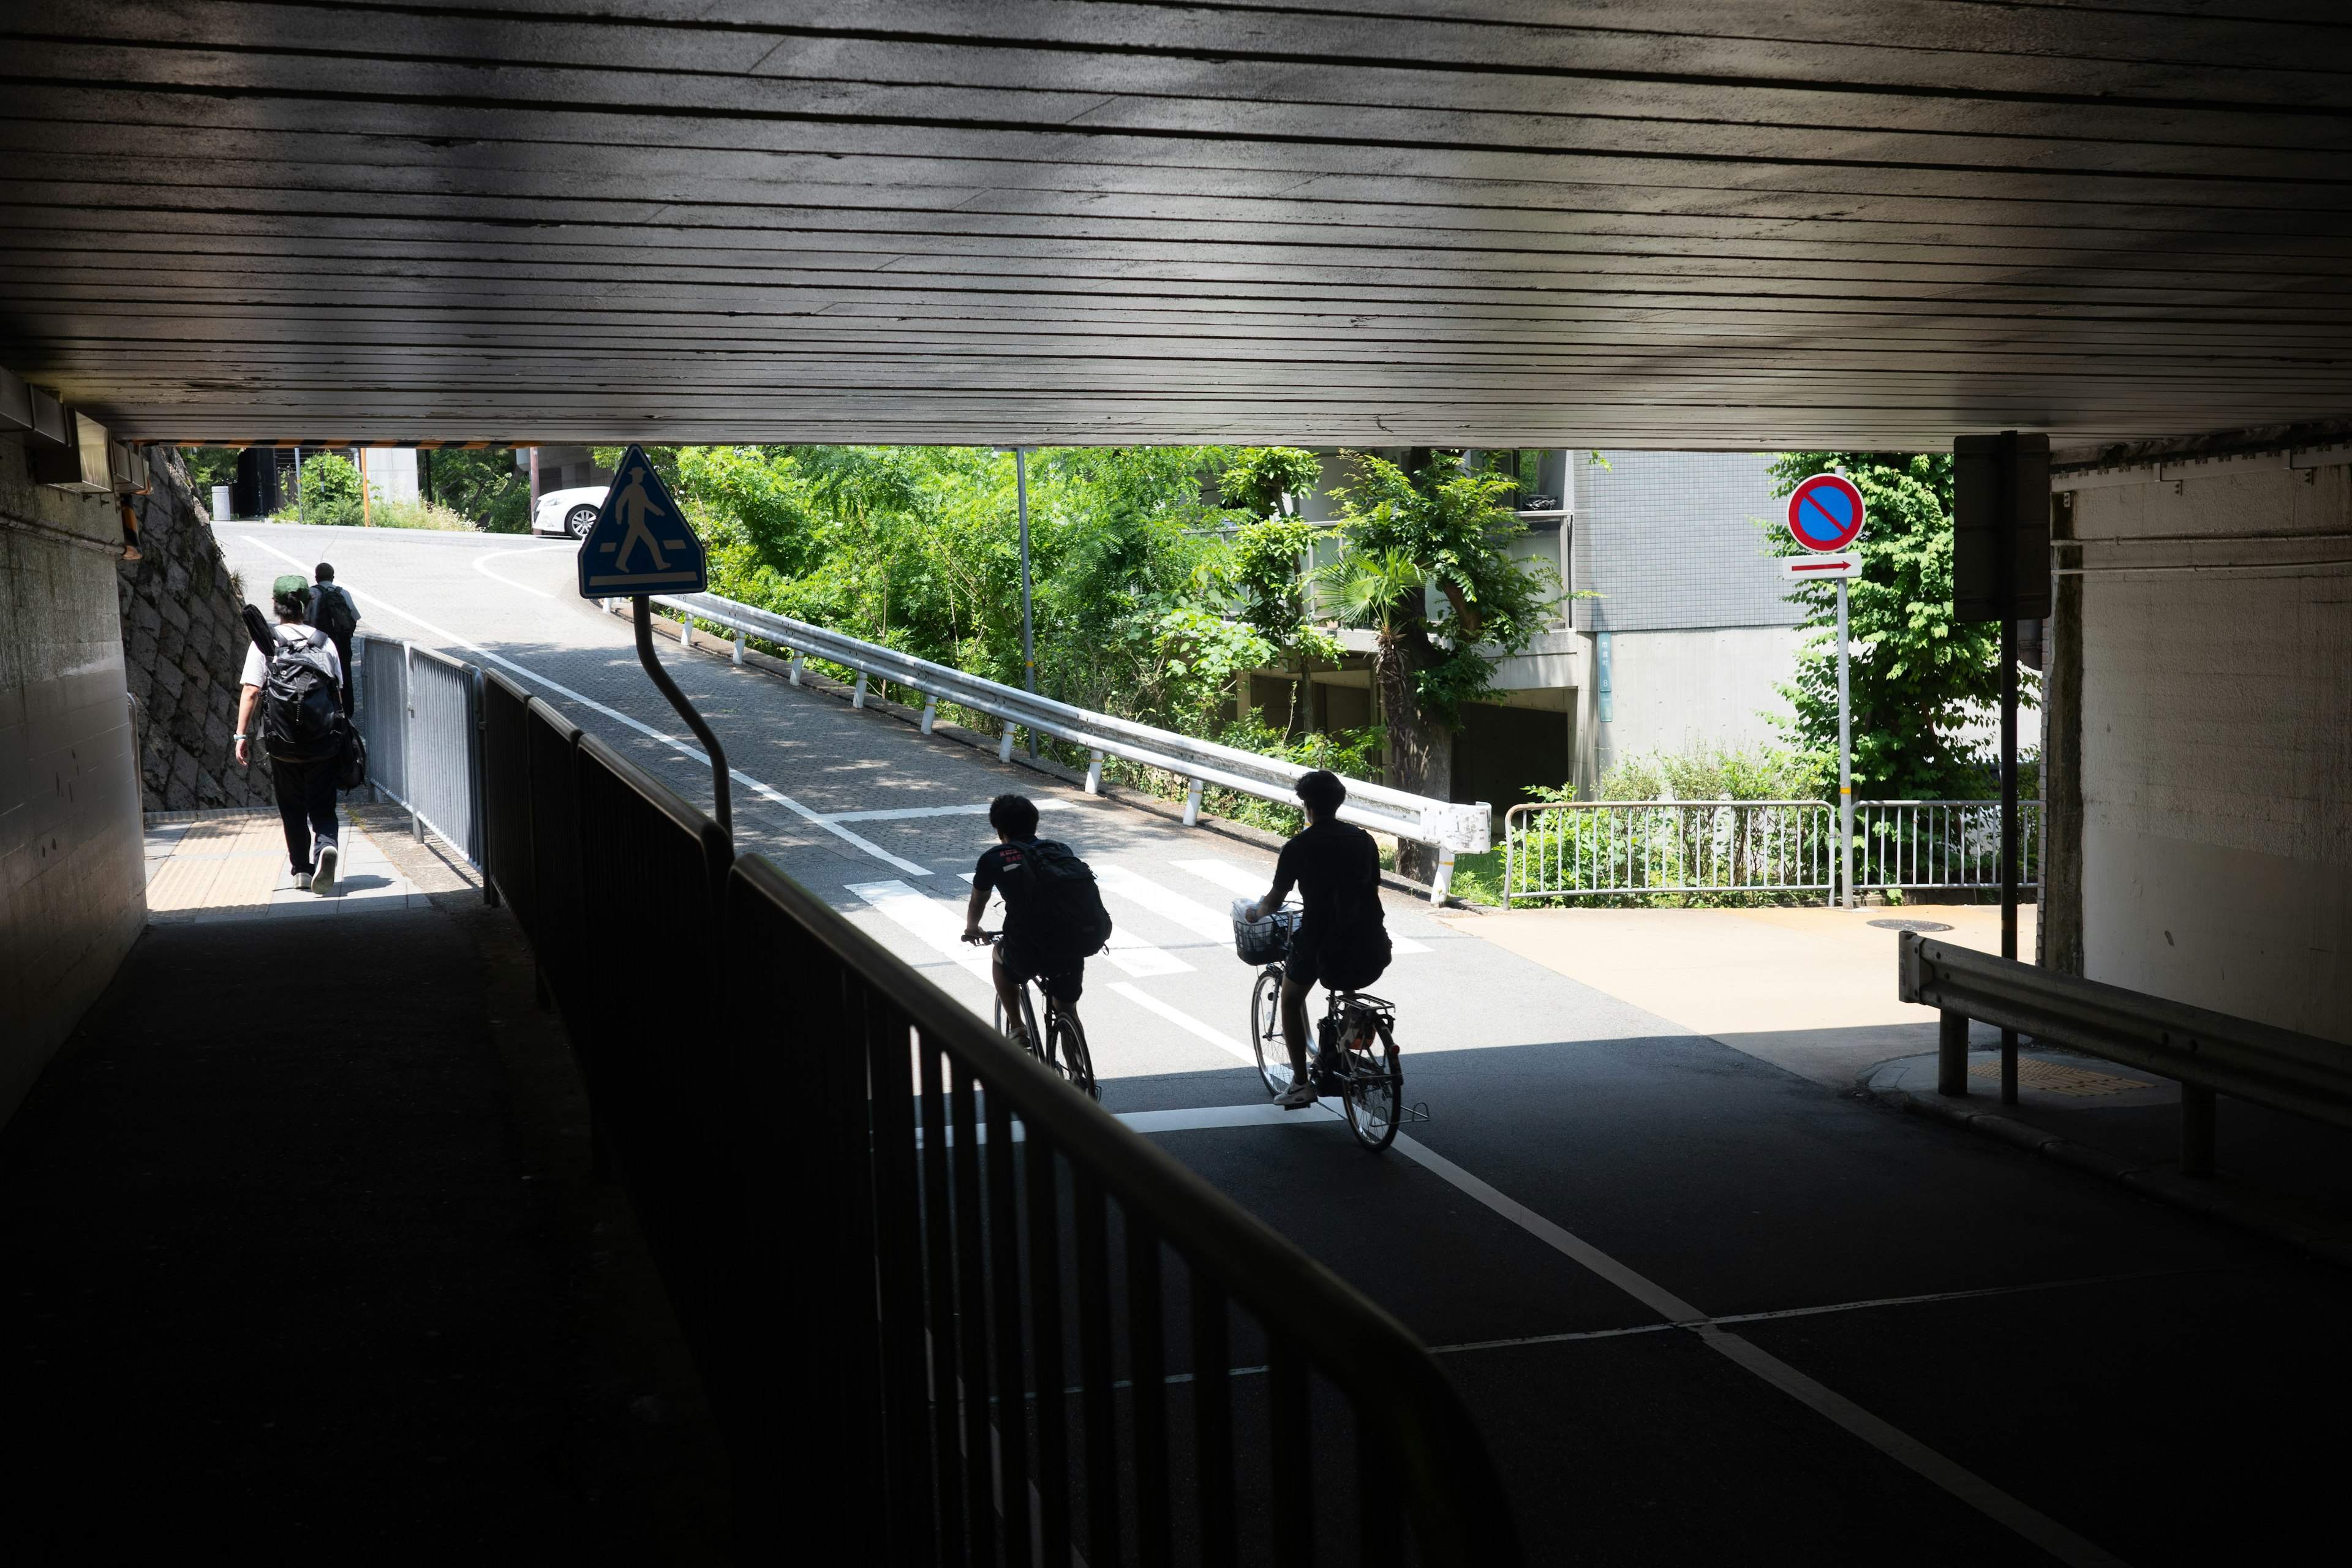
{"points": [[1241, 880], [926, 919], [1128, 951], [1166, 902]]}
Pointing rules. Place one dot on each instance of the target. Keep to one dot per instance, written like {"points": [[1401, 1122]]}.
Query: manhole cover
{"points": [[1910, 925]]}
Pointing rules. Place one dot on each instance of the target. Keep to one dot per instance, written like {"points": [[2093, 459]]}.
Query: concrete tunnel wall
{"points": [[2213, 735], [72, 880]]}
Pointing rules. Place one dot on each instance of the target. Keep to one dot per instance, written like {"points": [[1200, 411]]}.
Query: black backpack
{"points": [[333, 612], [1069, 907], [302, 703]]}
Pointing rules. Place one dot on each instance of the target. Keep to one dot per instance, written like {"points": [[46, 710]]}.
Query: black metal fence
{"points": [[947, 1310]]}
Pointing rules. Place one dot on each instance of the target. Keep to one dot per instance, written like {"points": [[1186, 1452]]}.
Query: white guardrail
{"points": [[1451, 826]]}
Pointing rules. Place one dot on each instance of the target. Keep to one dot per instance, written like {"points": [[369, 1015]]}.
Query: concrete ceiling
{"points": [[1681, 223]]}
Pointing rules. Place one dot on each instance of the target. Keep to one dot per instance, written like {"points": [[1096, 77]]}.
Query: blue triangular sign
{"points": [[641, 543]]}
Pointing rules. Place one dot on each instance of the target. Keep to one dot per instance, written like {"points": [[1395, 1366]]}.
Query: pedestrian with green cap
{"points": [[303, 675]]}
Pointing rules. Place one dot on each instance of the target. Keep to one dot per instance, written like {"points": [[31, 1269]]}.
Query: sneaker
{"points": [[301, 881], [1297, 1097], [324, 881]]}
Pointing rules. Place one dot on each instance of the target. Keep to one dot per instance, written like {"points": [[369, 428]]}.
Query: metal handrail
{"points": [[2207, 1053], [1448, 824], [1433, 1453], [395, 745]]}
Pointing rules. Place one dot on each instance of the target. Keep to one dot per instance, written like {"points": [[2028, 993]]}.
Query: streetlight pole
{"points": [[1028, 629]]}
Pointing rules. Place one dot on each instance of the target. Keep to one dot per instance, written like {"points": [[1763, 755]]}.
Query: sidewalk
{"points": [[306, 1265], [1808, 989]]}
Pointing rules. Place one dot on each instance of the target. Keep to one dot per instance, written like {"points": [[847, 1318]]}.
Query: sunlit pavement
{"points": [[1705, 1306]]}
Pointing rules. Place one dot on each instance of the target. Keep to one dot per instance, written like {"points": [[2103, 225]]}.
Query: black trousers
{"points": [[306, 804]]}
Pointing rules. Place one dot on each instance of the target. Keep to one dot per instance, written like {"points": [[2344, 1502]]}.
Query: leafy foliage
{"points": [[329, 492], [1717, 772], [482, 485], [1917, 676]]}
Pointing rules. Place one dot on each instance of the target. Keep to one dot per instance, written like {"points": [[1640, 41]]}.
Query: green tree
{"points": [[1917, 676], [481, 485], [1445, 532], [1264, 568], [329, 492]]}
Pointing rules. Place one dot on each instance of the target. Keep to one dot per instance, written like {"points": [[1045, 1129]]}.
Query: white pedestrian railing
{"points": [[1611, 848], [1452, 827], [420, 713]]}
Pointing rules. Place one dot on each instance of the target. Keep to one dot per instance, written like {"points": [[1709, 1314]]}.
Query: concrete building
{"points": [[1675, 635]]}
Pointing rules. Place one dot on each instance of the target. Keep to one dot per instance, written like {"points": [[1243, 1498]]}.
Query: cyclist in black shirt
{"points": [[1342, 939], [1022, 955]]}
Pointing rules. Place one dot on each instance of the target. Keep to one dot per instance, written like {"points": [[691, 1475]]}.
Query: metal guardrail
{"points": [[1451, 826], [2207, 1053], [941, 1302], [1584, 848], [1941, 844], [1589, 848], [420, 713]]}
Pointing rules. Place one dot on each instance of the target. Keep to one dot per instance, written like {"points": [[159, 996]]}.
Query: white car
{"points": [[568, 512]]}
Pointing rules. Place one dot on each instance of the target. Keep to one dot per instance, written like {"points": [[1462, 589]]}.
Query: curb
{"points": [[1119, 794], [2155, 1181]]}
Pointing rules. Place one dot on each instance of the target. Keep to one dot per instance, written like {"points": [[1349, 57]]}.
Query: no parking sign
{"points": [[1825, 512]]}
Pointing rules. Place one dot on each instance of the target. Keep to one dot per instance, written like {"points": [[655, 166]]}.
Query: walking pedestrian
{"points": [[333, 612], [302, 728]]}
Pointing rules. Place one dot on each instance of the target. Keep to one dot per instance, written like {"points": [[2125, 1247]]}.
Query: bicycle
{"points": [[1062, 1045], [1355, 1040]]}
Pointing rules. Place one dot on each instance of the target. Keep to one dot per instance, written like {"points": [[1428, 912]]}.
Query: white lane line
{"points": [[1252, 885], [1184, 1021], [482, 564], [1904, 1449], [907, 812], [930, 920], [766, 791]]}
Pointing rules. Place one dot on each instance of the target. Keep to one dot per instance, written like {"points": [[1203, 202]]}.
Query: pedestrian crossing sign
{"points": [[640, 543]]}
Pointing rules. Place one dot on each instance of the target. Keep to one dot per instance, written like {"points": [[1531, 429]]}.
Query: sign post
{"points": [[2001, 571], [1825, 515], [639, 546]]}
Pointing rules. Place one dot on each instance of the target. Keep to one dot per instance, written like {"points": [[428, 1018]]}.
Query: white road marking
{"points": [[1142, 959], [903, 812], [1251, 885], [764, 790], [1166, 902], [482, 564], [926, 919], [1185, 1021], [1904, 1449]]}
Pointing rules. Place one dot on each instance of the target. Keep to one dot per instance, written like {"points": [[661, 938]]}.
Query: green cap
{"points": [[290, 585]]}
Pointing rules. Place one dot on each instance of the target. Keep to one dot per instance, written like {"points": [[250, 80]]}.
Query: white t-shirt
{"points": [[256, 670]]}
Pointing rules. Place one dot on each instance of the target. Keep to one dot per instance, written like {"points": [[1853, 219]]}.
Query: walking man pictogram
{"points": [[634, 503]]}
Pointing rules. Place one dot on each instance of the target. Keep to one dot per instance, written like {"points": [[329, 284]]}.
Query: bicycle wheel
{"points": [[1375, 1087], [1266, 1030], [1067, 1054]]}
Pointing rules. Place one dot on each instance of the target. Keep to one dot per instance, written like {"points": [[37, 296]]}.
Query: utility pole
{"points": [[1028, 630]]}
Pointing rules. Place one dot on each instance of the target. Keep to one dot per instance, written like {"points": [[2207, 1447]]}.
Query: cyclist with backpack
{"points": [[1053, 914], [1342, 939], [294, 678], [333, 612]]}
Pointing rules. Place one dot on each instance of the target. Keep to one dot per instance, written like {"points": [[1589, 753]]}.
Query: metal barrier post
{"points": [[930, 712], [796, 668], [859, 699], [686, 631], [1952, 1054], [738, 648], [2196, 1130], [1094, 772], [408, 735], [1193, 803], [1004, 744], [1444, 883]]}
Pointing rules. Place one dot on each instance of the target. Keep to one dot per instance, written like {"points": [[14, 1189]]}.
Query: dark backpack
{"points": [[302, 703], [1071, 921], [333, 612]]}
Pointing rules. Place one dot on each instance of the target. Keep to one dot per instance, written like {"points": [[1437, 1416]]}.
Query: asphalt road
{"points": [[1704, 1310]]}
